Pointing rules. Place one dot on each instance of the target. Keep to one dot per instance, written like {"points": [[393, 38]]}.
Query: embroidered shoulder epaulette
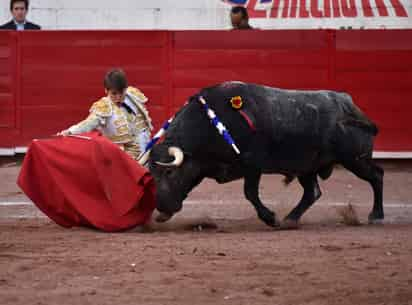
{"points": [[102, 107], [138, 98], [137, 94]]}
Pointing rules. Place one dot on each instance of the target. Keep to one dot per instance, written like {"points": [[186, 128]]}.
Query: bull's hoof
{"points": [[289, 224], [375, 219], [269, 218]]}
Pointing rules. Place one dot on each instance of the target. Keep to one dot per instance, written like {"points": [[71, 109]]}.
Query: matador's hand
{"points": [[64, 133]]}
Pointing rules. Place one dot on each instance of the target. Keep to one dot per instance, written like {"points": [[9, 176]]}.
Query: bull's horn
{"points": [[177, 153], [142, 160]]}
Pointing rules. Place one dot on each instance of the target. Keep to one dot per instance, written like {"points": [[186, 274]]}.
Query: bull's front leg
{"points": [[311, 193], [251, 189]]}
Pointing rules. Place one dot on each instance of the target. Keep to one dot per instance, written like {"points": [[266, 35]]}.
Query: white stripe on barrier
{"points": [[7, 152], [21, 150], [392, 155]]}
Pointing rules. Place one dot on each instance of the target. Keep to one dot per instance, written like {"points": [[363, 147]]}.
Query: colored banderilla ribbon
{"points": [[213, 119], [219, 125]]}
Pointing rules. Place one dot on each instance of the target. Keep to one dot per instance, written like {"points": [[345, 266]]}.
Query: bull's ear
{"points": [[194, 98]]}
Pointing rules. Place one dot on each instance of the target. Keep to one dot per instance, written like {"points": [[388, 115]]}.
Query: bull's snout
{"points": [[163, 217]]}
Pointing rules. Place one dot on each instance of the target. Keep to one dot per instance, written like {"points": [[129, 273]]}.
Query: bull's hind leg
{"points": [[367, 170], [251, 189], [311, 193]]}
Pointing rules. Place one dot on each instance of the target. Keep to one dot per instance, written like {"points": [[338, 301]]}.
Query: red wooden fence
{"points": [[48, 79]]}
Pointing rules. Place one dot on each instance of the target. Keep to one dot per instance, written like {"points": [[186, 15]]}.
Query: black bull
{"points": [[299, 134]]}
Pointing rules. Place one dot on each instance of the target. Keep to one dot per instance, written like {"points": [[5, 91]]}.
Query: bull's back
{"points": [[303, 125], [292, 115]]}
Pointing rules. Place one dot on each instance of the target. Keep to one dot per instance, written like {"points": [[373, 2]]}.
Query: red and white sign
{"points": [[333, 14]]}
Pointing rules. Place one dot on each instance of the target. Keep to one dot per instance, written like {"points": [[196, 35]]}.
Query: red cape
{"points": [[87, 182]]}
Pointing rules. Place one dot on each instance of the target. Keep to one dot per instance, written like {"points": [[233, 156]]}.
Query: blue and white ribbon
{"points": [[158, 135], [219, 125], [214, 120], [144, 156]]}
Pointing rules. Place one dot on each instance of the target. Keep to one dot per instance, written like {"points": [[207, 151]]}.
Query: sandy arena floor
{"points": [[216, 251]]}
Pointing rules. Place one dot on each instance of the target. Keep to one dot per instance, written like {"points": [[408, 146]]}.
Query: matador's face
{"points": [[116, 96]]}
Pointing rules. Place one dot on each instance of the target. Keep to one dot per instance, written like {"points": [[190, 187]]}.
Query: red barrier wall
{"points": [[48, 80], [375, 67]]}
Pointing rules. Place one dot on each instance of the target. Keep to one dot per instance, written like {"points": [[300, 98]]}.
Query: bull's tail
{"points": [[365, 125], [353, 139], [353, 116]]}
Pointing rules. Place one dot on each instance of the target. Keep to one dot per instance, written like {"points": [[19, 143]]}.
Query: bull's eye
{"points": [[168, 171]]}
